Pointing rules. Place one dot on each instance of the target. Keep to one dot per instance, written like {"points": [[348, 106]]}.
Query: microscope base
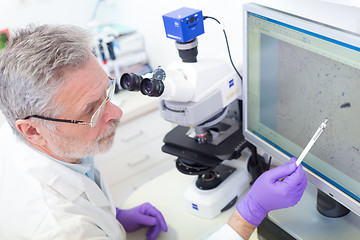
{"points": [[210, 203], [304, 222]]}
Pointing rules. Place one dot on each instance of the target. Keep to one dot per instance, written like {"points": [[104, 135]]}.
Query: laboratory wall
{"points": [[146, 17]]}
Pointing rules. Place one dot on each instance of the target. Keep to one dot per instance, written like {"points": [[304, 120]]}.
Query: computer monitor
{"points": [[298, 72]]}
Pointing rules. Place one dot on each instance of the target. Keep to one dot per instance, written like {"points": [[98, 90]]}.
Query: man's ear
{"points": [[31, 131]]}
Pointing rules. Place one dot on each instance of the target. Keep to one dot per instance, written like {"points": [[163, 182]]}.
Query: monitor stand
{"points": [[305, 222]]}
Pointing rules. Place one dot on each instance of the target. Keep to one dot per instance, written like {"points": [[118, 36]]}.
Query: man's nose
{"points": [[112, 112]]}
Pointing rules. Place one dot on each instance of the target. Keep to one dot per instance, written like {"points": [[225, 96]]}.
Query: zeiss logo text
{"points": [[231, 83]]}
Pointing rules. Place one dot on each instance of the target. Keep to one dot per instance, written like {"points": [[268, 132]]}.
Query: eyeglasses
{"points": [[95, 117]]}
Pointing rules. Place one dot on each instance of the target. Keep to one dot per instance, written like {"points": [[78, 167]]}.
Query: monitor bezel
{"points": [[312, 26]]}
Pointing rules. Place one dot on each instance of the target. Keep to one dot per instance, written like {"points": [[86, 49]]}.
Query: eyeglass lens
{"points": [[98, 113]]}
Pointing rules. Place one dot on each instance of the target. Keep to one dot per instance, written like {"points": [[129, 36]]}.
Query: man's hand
{"points": [[142, 216], [277, 188]]}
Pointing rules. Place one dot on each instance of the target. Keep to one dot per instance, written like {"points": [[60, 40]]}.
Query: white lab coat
{"points": [[42, 199]]}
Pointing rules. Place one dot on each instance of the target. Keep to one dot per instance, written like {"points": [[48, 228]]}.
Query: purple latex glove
{"points": [[142, 216], [269, 193]]}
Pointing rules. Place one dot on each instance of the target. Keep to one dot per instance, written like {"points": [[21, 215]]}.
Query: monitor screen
{"points": [[297, 73]]}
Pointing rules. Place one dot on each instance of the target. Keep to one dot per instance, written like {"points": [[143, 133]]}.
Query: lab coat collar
{"points": [[85, 166], [62, 179], [72, 184]]}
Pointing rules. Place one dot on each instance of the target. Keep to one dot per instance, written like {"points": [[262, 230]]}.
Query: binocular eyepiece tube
{"points": [[147, 86], [130, 82]]}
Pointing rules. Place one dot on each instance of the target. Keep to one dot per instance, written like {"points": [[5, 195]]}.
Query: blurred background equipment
{"points": [[4, 37], [120, 49]]}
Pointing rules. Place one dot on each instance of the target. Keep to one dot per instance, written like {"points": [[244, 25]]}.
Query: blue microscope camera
{"points": [[184, 25]]}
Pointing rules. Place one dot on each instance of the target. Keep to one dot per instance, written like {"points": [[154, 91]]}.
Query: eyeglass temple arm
{"points": [[56, 119]]}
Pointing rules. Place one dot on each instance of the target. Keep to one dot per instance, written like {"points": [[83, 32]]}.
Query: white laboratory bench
{"points": [[166, 193]]}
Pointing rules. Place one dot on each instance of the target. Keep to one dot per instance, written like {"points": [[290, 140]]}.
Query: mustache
{"points": [[114, 124]]}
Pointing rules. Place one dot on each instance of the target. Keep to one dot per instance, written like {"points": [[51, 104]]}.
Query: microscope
{"points": [[203, 99]]}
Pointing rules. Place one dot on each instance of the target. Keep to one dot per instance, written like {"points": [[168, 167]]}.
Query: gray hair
{"points": [[32, 66]]}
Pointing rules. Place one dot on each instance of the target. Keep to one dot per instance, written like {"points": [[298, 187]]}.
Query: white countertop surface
{"points": [[166, 193]]}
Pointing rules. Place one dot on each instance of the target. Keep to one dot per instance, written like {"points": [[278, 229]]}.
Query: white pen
{"points": [[311, 142]]}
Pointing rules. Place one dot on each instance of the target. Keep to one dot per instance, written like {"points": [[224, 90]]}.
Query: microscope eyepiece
{"points": [[152, 87], [130, 81], [148, 86]]}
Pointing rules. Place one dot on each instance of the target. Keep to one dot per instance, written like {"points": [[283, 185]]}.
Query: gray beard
{"points": [[72, 149]]}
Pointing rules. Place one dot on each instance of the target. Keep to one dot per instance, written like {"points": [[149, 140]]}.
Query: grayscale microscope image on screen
{"points": [[297, 79], [320, 88]]}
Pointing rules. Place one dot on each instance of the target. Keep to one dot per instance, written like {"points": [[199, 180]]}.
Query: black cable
{"points": [[227, 45], [269, 163]]}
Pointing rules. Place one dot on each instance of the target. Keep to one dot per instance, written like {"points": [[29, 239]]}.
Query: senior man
{"points": [[56, 99]]}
